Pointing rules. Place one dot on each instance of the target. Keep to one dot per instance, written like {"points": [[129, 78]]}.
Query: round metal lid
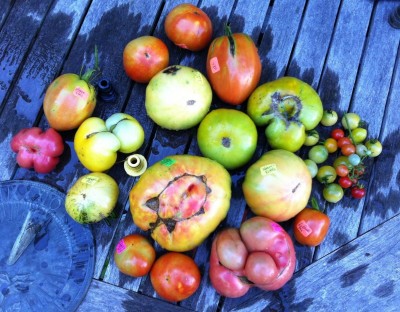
{"points": [[54, 271]]}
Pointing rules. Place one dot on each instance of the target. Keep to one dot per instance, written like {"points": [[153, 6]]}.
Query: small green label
{"points": [[168, 162]]}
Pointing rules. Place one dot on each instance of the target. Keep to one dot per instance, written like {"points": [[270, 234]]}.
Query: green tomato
{"points": [[312, 138], [312, 167], [359, 135], [333, 192], [329, 118], [354, 159], [342, 160], [362, 150], [288, 137], [290, 106], [227, 136], [326, 174], [318, 154], [374, 146], [353, 119]]}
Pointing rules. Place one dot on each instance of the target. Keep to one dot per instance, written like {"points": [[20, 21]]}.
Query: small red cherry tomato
{"points": [[348, 149], [337, 134], [358, 192], [310, 226], [342, 170], [344, 141], [345, 182]]}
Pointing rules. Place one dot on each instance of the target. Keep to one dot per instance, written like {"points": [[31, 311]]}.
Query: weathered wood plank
{"points": [[369, 100], [42, 64], [363, 275], [5, 8], [16, 35], [105, 297]]}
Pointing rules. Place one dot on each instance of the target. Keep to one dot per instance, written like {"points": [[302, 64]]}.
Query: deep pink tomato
{"points": [[188, 27], [69, 100]]}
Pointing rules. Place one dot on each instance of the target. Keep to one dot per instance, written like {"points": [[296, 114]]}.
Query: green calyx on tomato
{"points": [[288, 107]]}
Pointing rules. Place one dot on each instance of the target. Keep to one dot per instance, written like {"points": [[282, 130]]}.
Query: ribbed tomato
{"points": [[233, 67]]}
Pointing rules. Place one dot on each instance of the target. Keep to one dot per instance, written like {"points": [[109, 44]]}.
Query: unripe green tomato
{"points": [[333, 192], [353, 119], [318, 154], [326, 174], [374, 146], [359, 135], [329, 118], [312, 167], [312, 138], [362, 150]]}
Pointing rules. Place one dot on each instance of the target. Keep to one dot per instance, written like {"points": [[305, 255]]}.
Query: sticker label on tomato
{"points": [[214, 65], [268, 169], [304, 228], [79, 92], [121, 246]]}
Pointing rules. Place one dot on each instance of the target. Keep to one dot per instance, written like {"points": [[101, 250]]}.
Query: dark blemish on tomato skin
{"points": [[295, 188], [172, 70], [226, 142], [190, 102]]}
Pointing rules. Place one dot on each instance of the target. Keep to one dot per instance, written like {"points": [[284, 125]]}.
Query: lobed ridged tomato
{"points": [[233, 67]]}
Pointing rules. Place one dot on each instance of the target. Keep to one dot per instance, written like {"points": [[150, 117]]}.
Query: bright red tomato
{"points": [[134, 255], [144, 57], [345, 182], [311, 226], [233, 67], [69, 100], [344, 141], [337, 133], [358, 192], [342, 170], [348, 149], [188, 27], [175, 276]]}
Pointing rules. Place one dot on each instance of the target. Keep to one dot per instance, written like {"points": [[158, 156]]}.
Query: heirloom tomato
{"points": [[233, 67], [278, 185], [228, 136], [181, 200], [70, 99], [37, 149], [288, 107], [258, 254], [188, 27], [134, 255], [310, 226], [178, 97], [175, 276], [144, 57]]}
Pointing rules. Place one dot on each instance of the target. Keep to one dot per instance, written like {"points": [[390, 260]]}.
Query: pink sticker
{"points": [[304, 228], [214, 65], [121, 246], [79, 92]]}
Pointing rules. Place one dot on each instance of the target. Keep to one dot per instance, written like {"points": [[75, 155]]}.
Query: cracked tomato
{"points": [[181, 200], [288, 107]]}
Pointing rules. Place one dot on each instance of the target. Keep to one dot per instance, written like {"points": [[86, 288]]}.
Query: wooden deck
{"points": [[345, 49]]}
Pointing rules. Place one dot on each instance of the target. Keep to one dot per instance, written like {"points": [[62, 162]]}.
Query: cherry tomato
{"points": [[331, 145], [326, 174], [134, 255], [188, 27], [358, 192], [337, 134], [343, 141], [362, 150], [342, 160], [374, 146], [352, 119], [310, 226], [175, 276], [345, 182], [333, 192], [348, 149], [359, 135], [318, 154], [354, 159], [312, 138], [359, 170], [329, 118], [342, 170], [312, 167]]}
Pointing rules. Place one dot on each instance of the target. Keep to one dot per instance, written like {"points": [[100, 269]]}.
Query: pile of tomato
{"points": [[340, 161]]}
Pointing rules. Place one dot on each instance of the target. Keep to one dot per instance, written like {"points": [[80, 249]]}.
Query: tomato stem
{"points": [[88, 75], [228, 33]]}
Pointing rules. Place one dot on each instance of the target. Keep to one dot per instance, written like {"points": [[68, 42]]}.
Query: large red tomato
{"points": [[188, 27], [181, 200], [134, 255], [278, 185], [69, 100], [310, 226], [233, 67], [175, 276], [144, 57]]}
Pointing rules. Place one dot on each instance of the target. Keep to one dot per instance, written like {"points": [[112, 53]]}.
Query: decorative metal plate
{"points": [[54, 272]]}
